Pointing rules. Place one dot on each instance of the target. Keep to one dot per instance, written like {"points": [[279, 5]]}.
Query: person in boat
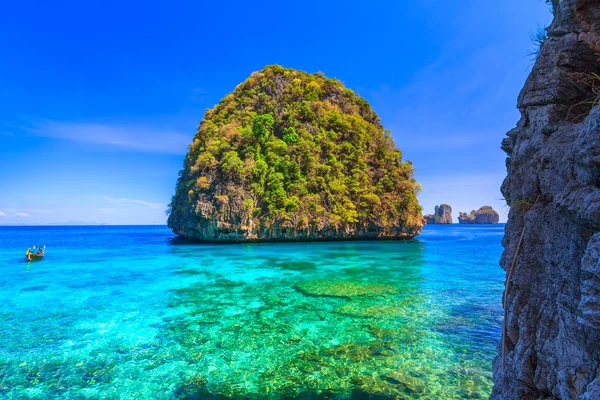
{"points": [[35, 251]]}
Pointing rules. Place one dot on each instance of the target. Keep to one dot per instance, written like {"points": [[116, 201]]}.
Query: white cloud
{"points": [[29, 211], [2, 214], [135, 202], [22, 214], [133, 137]]}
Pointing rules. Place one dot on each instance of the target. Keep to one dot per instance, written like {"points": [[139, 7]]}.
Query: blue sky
{"points": [[99, 99]]}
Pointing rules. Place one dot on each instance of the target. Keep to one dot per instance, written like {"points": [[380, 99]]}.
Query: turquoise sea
{"points": [[130, 312]]}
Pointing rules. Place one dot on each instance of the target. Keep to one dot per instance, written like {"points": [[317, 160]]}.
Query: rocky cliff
{"points": [[442, 215], [294, 156], [485, 215], [552, 345]]}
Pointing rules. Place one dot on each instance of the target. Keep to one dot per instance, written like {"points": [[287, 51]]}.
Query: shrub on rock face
{"points": [[290, 155]]}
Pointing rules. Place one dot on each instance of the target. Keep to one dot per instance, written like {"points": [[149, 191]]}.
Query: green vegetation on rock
{"points": [[291, 155]]}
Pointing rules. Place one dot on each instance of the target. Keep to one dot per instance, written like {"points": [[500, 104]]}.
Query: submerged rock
{"points": [[356, 309], [553, 190], [343, 288], [441, 215], [294, 156], [485, 215]]}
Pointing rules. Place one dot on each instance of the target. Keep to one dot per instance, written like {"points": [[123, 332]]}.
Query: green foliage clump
{"points": [[261, 127], [290, 135], [309, 153]]}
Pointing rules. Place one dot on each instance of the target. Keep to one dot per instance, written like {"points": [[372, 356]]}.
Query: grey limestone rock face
{"points": [[441, 215], [485, 215], [553, 188]]}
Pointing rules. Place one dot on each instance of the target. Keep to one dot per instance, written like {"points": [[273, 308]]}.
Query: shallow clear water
{"points": [[122, 312]]}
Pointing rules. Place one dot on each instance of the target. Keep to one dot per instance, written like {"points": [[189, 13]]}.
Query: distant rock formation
{"points": [[485, 215], [442, 215]]}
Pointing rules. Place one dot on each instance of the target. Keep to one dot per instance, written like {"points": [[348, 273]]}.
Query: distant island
{"points": [[441, 215], [485, 215], [294, 156]]}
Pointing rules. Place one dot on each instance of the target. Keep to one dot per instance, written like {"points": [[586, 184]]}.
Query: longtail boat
{"points": [[37, 253]]}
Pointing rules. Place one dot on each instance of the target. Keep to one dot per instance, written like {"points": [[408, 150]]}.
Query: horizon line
{"points": [[83, 224], [86, 224]]}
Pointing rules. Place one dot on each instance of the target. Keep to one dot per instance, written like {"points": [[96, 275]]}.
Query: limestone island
{"points": [[485, 215], [441, 215], [294, 156]]}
